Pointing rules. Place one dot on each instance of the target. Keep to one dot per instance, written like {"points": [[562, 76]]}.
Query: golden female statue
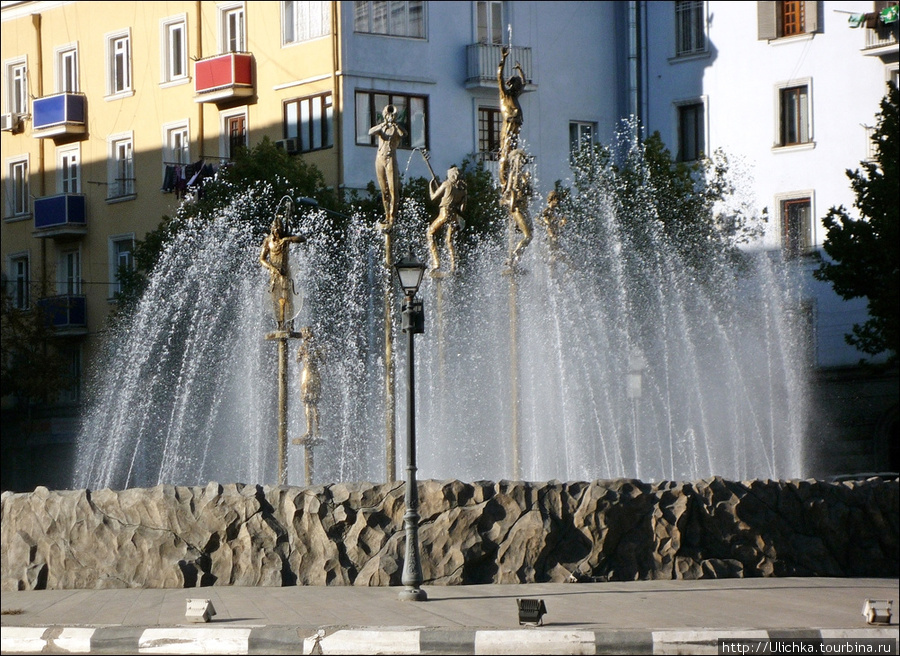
{"points": [[274, 256], [510, 111]]}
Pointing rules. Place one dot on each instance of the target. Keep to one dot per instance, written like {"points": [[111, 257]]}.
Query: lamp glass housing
{"points": [[410, 271]]}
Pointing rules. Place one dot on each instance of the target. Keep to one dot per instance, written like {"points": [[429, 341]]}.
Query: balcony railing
{"points": [[62, 215], [225, 76], [482, 60], [59, 114], [67, 312]]}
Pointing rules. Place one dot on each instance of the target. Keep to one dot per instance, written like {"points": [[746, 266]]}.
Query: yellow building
{"points": [[109, 110]]}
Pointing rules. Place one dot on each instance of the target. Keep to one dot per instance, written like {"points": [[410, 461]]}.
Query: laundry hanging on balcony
{"points": [[889, 14], [857, 20]]}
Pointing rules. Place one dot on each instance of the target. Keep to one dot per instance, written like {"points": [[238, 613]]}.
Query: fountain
{"points": [[589, 350], [627, 366]]}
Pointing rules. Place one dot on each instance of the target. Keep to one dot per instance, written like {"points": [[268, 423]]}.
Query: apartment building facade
{"points": [[111, 111]]}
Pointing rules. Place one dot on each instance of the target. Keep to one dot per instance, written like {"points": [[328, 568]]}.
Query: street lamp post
{"points": [[410, 271]]}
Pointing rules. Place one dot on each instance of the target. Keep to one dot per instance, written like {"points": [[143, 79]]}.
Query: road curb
{"points": [[211, 639]]}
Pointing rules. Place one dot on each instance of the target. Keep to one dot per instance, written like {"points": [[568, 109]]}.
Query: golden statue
{"points": [[275, 257], [452, 194], [516, 195], [510, 111], [389, 134], [310, 355], [553, 220]]}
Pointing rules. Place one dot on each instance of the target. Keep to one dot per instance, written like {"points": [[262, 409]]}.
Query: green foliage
{"points": [[31, 368], [690, 203], [863, 251]]}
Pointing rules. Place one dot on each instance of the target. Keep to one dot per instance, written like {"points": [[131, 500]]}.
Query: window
{"points": [[411, 116], [690, 28], [68, 170], [390, 18], [68, 272], [489, 22], [19, 281], [121, 259], [118, 64], [17, 87], [67, 70], [310, 121], [793, 119], [174, 49], [236, 129], [581, 135], [691, 132], [489, 122], [177, 146], [785, 19], [18, 196], [234, 37], [796, 227], [121, 166], [302, 21], [71, 392]]}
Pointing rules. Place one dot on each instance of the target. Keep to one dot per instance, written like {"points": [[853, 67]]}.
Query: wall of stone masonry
{"points": [[483, 532]]}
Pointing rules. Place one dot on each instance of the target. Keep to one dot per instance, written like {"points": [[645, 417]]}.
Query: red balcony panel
{"points": [[224, 76]]}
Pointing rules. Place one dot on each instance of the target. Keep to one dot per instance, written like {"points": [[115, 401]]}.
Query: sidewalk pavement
{"points": [[639, 617]]}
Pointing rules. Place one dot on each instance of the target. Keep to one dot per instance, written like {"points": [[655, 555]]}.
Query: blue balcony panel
{"points": [[62, 215], [67, 313], [60, 114]]}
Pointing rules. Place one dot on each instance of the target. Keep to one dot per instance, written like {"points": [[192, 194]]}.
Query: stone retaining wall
{"points": [[484, 532]]}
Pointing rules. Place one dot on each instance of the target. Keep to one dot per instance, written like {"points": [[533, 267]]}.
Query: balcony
{"points": [[58, 115], [224, 77], [482, 60], [60, 216], [67, 313]]}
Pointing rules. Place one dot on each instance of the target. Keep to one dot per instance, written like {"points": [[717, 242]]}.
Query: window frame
{"points": [[370, 116], [18, 187], [577, 136], [68, 169], [489, 126], [316, 130], [770, 21], [687, 15], [115, 284], [19, 279], [802, 115], [226, 140], [175, 154], [486, 31], [232, 37], [121, 181], [292, 19], [170, 56], [366, 18], [16, 85], [805, 234], [68, 78], [69, 280], [699, 129], [119, 64]]}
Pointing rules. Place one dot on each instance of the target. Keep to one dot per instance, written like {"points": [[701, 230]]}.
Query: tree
{"points": [[287, 175], [862, 251], [31, 368]]}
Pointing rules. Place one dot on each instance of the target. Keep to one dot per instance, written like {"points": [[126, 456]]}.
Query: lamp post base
{"points": [[413, 594]]}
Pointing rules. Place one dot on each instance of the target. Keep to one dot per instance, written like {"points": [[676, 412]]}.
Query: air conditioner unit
{"points": [[9, 122], [288, 145]]}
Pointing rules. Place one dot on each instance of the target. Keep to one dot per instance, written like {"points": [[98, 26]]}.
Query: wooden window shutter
{"points": [[767, 20], [811, 21]]}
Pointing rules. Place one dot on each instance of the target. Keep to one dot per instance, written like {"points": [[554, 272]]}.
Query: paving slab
{"points": [[636, 617]]}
